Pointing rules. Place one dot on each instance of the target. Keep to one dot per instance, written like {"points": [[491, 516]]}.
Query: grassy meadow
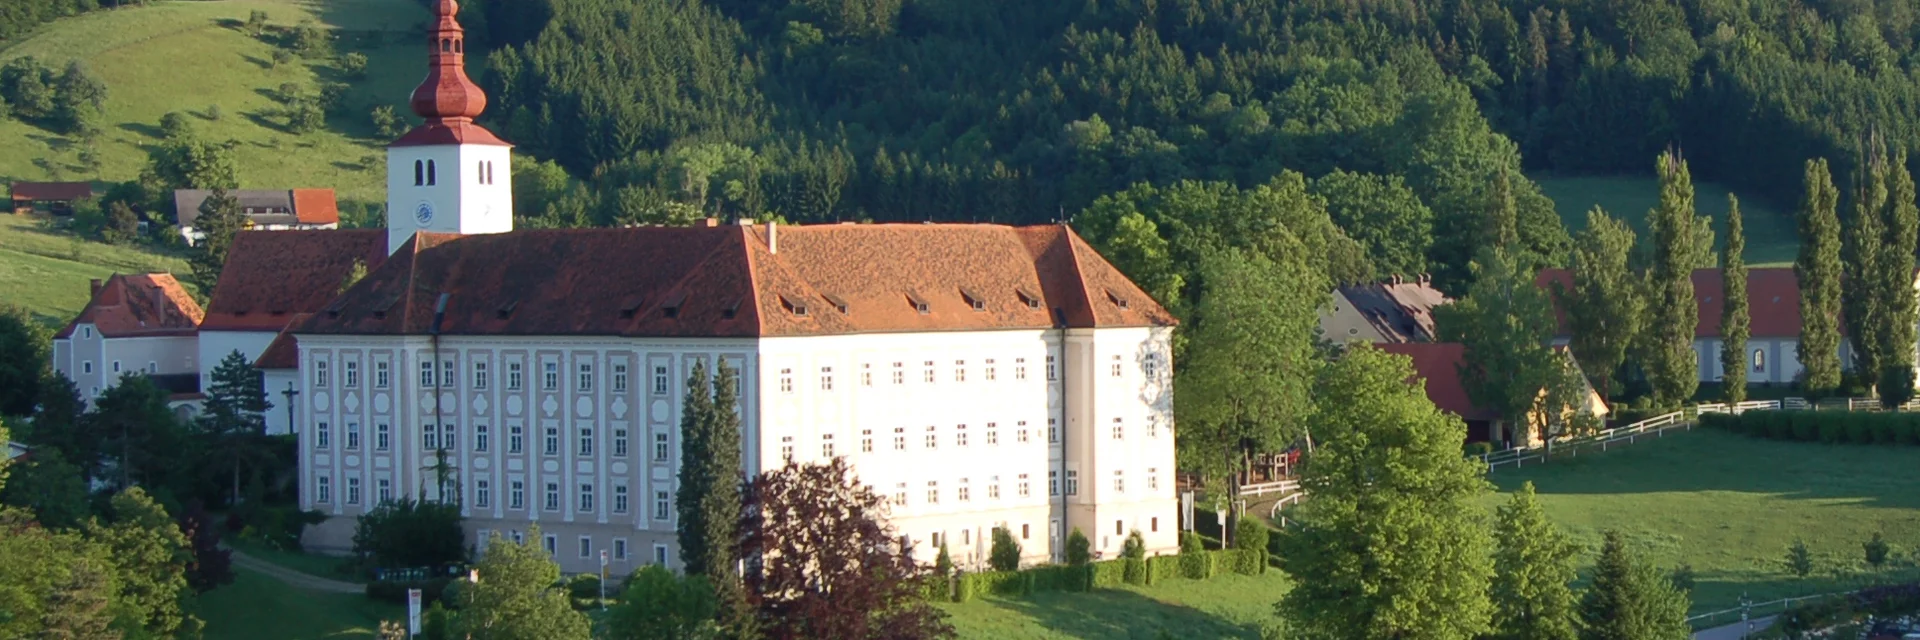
{"points": [[257, 606], [47, 271], [192, 56], [1771, 237], [1229, 606]]}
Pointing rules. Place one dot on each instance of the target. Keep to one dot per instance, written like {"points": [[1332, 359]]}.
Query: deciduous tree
{"points": [[1005, 554], [1507, 325], [150, 558], [49, 487], [516, 597], [829, 566], [1818, 269], [408, 532], [1862, 295], [24, 346], [1532, 571], [1607, 306], [1896, 283], [1735, 319], [211, 565], [1682, 242], [1393, 544], [658, 605]]}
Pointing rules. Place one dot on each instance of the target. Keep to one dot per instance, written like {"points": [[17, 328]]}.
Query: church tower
{"points": [[448, 175]]}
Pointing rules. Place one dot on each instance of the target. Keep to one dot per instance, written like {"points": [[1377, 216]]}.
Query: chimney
{"points": [[713, 222], [1395, 279], [95, 290], [773, 237]]}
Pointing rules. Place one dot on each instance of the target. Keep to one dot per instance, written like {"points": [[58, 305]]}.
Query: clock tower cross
{"points": [[448, 175]]}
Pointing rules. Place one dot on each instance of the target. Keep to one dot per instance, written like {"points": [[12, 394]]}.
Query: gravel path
{"points": [[295, 578]]}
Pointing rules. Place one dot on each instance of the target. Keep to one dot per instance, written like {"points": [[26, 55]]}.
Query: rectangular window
{"points": [[513, 376], [516, 495], [900, 494], [964, 494], [826, 378], [446, 374], [429, 438], [586, 498], [550, 376], [660, 554], [1151, 367], [1153, 525], [1153, 479], [516, 439], [482, 493], [899, 439], [322, 435], [929, 371], [993, 434], [960, 436], [480, 438], [382, 436], [426, 375], [620, 549], [586, 546], [933, 439], [659, 447], [993, 488], [586, 378], [826, 446], [553, 441], [1025, 531], [381, 376], [1119, 431], [899, 373], [1153, 427], [619, 443], [351, 371], [353, 436], [619, 378], [866, 441], [116, 366], [323, 489], [620, 498], [1116, 366], [551, 543], [353, 491], [1025, 489], [786, 448], [480, 376], [662, 505], [866, 375], [1073, 482], [1019, 368], [1053, 430], [1052, 372], [786, 381], [553, 496], [1119, 481], [319, 373], [659, 381], [586, 441], [384, 489], [1023, 433], [959, 371], [1053, 483]]}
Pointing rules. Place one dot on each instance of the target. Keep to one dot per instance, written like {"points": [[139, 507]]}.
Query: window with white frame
{"points": [[319, 373], [620, 378], [826, 378], [659, 447], [116, 366], [993, 433], [900, 494], [1116, 366], [426, 374], [382, 377], [323, 489], [552, 447], [1153, 427], [899, 439], [322, 435], [1119, 481], [586, 546], [993, 488], [619, 443], [87, 367], [866, 441], [353, 436], [929, 371], [1073, 482], [586, 441], [1023, 433], [553, 496], [662, 505], [516, 439], [482, 493], [516, 495], [384, 490], [660, 554], [620, 549], [1153, 479], [659, 380], [480, 375], [960, 435], [1119, 430], [866, 374], [1053, 372], [1151, 367], [353, 490], [963, 493], [551, 543], [933, 438], [429, 437], [382, 436], [446, 375], [586, 378], [786, 448], [513, 376], [826, 446], [899, 373], [480, 438], [350, 374], [959, 371], [550, 375], [1053, 430], [1025, 488], [586, 498], [786, 381], [1019, 368], [991, 372], [620, 498], [153, 368], [1053, 482]]}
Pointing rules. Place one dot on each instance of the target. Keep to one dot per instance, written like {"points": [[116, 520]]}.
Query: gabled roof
{"points": [[284, 351], [273, 206], [53, 191], [139, 306], [1439, 364], [272, 275], [1397, 311], [316, 206], [1773, 300], [736, 281]]}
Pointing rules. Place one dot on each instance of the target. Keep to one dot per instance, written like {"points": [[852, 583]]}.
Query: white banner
{"points": [[413, 611]]}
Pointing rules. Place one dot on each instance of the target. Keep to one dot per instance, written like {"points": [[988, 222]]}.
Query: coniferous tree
{"points": [[709, 502], [1668, 356], [1862, 306], [24, 353], [697, 548], [220, 219], [1896, 380], [233, 420], [1532, 571], [1005, 555], [1818, 270], [1606, 307], [1735, 318], [1629, 600]]}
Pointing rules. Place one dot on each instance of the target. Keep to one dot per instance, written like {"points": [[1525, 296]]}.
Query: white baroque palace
{"points": [[978, 376]]}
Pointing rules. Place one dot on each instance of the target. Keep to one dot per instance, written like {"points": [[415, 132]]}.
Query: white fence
{"points": [[1653, 427]]}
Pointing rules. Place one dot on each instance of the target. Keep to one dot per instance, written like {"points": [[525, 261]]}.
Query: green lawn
{"points": [[256, 606], [47, 271], [1229, 606], [189, 56], [312, 564], [1771, 238], [1730, 507]]}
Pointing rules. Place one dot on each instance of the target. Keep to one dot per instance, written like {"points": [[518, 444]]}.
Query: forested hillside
{"points": [[1027, 111]]}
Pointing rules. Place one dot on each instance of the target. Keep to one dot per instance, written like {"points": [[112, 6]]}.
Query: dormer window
{"points": [[919, 304], [506, 310], [630, 309], [672, 307], [973, 299], [839, 304], [794, 305], [1117, 300], [731, 311], [1027, 297]]}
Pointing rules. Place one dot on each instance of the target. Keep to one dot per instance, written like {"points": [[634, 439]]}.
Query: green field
{"points": [[1730, 507], [1771, 238], [256, 606], [189, 56], [1229, 606], [47, 271]]}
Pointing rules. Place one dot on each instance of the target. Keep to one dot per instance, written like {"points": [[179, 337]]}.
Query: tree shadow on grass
{"points": [[1114, 613]]}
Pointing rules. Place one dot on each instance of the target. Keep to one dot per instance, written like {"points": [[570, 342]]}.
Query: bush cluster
{"points": [[395, 591], [1097, 575], [1831, 427]]}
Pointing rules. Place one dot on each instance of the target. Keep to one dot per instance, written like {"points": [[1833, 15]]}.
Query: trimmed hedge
{"points": [[1108, 573], [1162, 568], [1196, 566], [1105, 574], [1831, 427], [1242, 561], [395, 591], [1006, 583]]}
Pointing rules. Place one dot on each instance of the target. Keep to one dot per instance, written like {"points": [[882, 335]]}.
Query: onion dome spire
{"points": [[447, 96]]}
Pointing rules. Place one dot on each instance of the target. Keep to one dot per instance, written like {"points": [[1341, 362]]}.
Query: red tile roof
{"points": [[734, 281], [141, 305], [315, 206], [1439, 364], [448, 133], [272, 275], [1773, 300], [284, 351], [52, 191]]}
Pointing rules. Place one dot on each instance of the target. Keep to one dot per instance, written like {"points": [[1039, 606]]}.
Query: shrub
{"points": [[974, 585], [1479, 448], [1135, 547], [1079, 549], [395, 591], [1242, 561], [1799, 559], [1108, 573], [943, 565], [585, 586], [1006, 551], [411, 533], [1833, 429], [1250, 534], [1136, 570], [1056, 577], [1197, 565], [1162, 568], [1877, 551], [935, 588], [1190, 542]]}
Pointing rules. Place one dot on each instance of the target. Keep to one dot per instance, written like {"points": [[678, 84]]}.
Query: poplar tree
{"points": [[1670, 363], [1735, 320], [1606, 307], [1818, 270], [1862, 308], [708, 502], [1902, 228], [1393, 544], [1532, 568], [1631, 601]]}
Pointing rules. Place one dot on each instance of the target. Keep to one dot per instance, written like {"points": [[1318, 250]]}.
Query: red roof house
{"points": [[138, 305]]}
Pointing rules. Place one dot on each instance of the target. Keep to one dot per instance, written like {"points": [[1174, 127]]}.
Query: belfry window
{"points": [[419, 173], [430, 180]]}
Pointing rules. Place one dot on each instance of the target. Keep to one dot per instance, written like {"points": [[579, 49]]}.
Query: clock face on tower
{"points": [[423, 213]]}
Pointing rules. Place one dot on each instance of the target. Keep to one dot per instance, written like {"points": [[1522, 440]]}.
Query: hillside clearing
{"points": [[47, 271], [1771, 236]]}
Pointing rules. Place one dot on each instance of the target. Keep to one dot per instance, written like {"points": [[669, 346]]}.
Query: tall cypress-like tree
{"points": [[1735, 319], [1670, 363], [1818, 269], [1629, 600], [220, 219], [1606, 307], [700, 551], [233, 419], [1862, 307], [1902, 313], [1532, 568]]}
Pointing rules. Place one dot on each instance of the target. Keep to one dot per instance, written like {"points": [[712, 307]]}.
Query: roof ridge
{"points": [[747, 236], [1079, 272], [678, 286]]}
